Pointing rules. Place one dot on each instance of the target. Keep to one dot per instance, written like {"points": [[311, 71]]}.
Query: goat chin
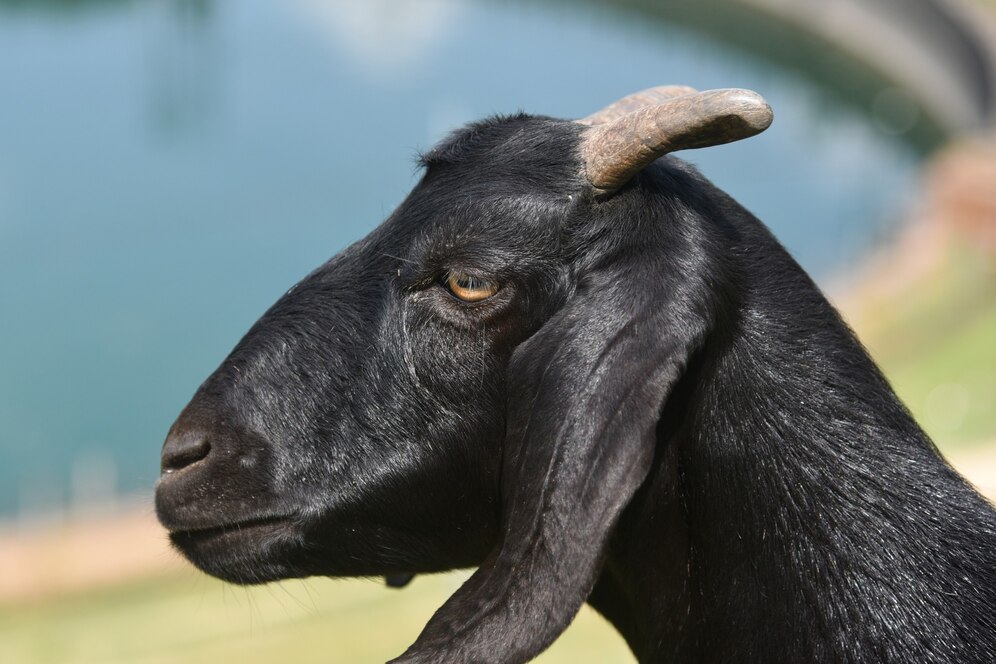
{"points": [[239, 553], [624, 392]]}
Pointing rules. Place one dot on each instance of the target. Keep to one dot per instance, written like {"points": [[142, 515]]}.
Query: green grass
{"points": [[951, 387], [937, 345], [193, 619]]}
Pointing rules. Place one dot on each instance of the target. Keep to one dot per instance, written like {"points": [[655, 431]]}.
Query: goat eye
{"points": [[469, 288]]}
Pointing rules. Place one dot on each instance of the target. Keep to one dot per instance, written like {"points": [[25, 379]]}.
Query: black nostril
{"points": [[184, 448]]}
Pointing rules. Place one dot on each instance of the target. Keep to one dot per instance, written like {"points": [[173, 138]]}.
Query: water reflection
{"points": [[65, 7], [383, 39], [167, 169], [184, 61]]}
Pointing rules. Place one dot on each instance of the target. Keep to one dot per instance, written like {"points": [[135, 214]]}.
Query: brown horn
{"points": [[616, 151], [636, 101]]}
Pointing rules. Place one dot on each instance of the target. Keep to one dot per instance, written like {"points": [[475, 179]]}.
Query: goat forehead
{"points": [[492, 232], [517, 138], [504, 158], [493, 213]]}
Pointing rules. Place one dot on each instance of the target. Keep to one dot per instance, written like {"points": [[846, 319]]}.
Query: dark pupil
{"points": [[471, 283]]}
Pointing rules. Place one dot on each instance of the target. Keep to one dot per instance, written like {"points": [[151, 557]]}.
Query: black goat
{"points": [[595, 376]]}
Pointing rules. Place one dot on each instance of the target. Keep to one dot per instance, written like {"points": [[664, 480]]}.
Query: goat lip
{"points": [[246, 551], [272, 522]]}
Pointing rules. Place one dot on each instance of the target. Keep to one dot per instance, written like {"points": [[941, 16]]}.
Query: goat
{"points": [[572, 362]]}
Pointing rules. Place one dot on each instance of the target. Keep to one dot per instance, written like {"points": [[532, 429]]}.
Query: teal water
{"points": [[168, 169]]}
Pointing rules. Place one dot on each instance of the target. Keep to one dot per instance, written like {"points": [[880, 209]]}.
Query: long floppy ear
{"points": [[585, 394]]}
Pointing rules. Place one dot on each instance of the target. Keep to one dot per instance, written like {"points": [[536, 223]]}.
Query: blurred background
{"points": [[168, 168]]}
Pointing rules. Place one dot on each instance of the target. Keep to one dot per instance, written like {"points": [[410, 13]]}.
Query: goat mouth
{"points": [[251, 529], [245, 552]]}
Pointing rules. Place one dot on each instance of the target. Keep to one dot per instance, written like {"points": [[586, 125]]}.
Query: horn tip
{"points": [[752, 107]]}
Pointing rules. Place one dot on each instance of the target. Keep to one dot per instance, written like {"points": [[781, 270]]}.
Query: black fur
{"points": [[658, 413]]}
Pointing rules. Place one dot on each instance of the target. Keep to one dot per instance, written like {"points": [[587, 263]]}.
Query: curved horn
{"points": [[636, 101], [615, 152]]}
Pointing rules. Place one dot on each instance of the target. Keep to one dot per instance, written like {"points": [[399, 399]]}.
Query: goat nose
{"points": [[184, 448]]}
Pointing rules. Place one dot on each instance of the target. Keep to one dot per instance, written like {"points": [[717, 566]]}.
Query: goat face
{"points": [[477, 382], [357, 428]]}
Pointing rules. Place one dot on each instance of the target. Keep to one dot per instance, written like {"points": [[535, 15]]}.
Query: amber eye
{"points": [[470, 288]]}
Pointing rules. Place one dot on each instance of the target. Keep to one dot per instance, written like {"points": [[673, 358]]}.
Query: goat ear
{"points": [[585, 395]]}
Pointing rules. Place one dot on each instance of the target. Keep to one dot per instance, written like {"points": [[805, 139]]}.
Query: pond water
{"points": [[168, 169]]}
